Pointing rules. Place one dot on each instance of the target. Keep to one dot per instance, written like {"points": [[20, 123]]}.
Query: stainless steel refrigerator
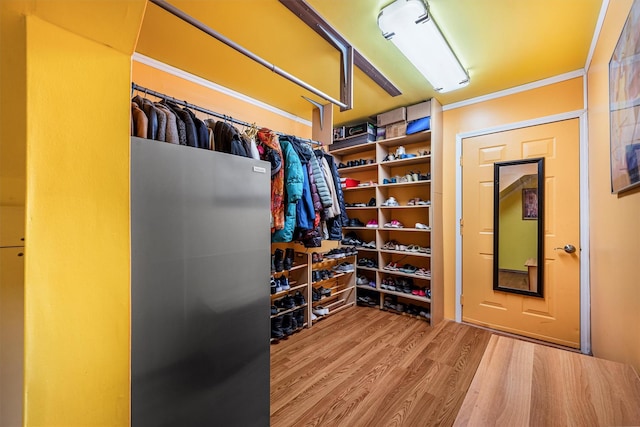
{"points": [[200, 265]]}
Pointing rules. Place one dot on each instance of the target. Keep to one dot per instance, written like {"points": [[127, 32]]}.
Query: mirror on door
{"points": [[518, 227]]}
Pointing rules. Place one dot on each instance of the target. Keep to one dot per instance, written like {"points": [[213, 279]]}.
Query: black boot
{"points": [[278, 261], [287, 327], [299, 316], [276, 328], [288, 259]]}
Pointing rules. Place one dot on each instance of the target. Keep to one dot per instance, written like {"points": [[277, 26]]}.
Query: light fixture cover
{"points": [[408, 24]]}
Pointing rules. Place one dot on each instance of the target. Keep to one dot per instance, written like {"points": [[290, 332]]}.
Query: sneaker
{"points": [[394, 224], [372, 202], [274, 286], [422, 226], [361, 280], [284, 283], [355, 222], [391, 201], [400, 151], [320, 311], [372, 223], [276, 328]]}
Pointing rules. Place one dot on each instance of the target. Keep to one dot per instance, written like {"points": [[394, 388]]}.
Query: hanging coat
{"points": [[293, 177], [335, 224], [269, 139]]}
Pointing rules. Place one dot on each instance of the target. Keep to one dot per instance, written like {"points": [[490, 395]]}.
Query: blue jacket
{"points": [[305, 212], [293, 186]]}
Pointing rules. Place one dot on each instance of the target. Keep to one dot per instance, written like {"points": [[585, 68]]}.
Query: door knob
{"points": [[567, 248]]}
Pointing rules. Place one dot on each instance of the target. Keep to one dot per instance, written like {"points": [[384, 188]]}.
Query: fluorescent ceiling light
{"points": [[408, 24]]}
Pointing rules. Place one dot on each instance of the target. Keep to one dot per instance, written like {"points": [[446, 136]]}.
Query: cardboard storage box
{"points": [[393, 116], [351, 141], [359, 129], [396, 129], [418, 111], [338, 133]]}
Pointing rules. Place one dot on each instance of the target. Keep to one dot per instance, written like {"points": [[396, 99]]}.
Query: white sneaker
{"points": [[422, 226], [400, 151]]}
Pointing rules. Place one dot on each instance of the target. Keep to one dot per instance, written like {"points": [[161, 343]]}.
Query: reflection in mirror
{"points": [[518, 226]]}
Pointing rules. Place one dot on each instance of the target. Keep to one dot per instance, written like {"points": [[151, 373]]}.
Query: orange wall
{"points": [[168, 84], [548, 100], [615, 229]]}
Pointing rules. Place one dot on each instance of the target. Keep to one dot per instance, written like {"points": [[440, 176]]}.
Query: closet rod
{"points": [[199, 25], [151, 92]]}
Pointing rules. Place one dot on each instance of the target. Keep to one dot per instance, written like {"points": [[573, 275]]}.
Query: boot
{"points": [[287, 321], [299, 316], [276, 328], [278, 261], [288, 259]]}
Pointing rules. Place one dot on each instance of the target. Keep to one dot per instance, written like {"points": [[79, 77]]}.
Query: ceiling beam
{"points": [[309, 16]]}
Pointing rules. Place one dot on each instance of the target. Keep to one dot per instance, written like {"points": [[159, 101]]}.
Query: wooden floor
{"points": [[519, 383], [366, 367]]}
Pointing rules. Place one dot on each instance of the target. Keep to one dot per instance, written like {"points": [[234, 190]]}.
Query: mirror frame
{"points": [[496, 226]]}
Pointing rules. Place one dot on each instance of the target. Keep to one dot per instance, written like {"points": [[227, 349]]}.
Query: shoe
{"points": [[288, 302], [274, 286], [324, 292], [361, 280], [278, 285], [372, 224], [276, 328], [274, 310], [299, 316], [299, 299], [279, 260], [315, 295], [355, 222], [422, 226], [284, 283], [344, 268], [287, 324], [394, 224], [391, 201], [320, 311], [400, 151], [288, 259], [372, 202]]}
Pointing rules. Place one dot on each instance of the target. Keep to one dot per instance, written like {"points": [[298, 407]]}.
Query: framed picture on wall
{"points": [[529, 203], [624, 105]]}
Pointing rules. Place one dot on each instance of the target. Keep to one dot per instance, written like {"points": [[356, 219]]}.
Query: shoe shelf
{"points": [[354, 149], [359, 228], [406, 229], [289, 310], [424, 136], [285, 292], [406, 207], [362, 267], [335, 276], [366, 187], [361, 208], [418, 160], [426, 318], [419, 254], [362, 168], [404, 295], [405, 184], [401, 273]]}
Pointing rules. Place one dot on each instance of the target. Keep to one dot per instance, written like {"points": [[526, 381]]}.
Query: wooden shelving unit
{"points": [[426, 165]]}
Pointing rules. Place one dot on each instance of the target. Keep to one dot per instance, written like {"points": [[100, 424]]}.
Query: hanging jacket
{"points": [[335, 224], [293, 188], [315, 197], [182, 129], [321, 183], [171, 131], [334, 210], [211, 125], [162, 123], [202, 136], [305, 212], [269, 139], [150, 111], [140, 121]]}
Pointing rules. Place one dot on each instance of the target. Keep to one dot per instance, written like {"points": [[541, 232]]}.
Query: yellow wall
{"points": [[552, 99], [168, 84], [615, 229], [77, 265]]}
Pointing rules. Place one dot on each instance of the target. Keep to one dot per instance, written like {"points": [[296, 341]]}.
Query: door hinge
{"points": [[461, 225], [460, 161], [461, 299]]}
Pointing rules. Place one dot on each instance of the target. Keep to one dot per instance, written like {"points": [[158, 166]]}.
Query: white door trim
{"points": [[585, 308]]}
